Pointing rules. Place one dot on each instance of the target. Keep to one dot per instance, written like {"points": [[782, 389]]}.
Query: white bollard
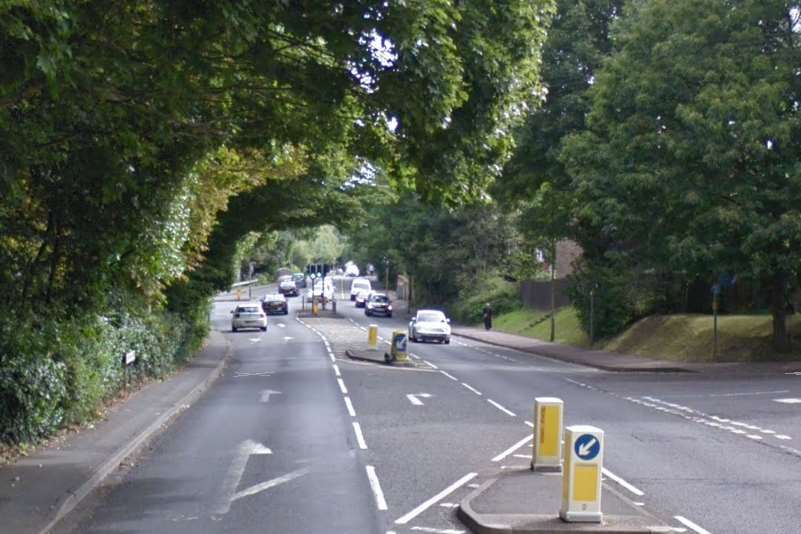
{"points": [[581, 482], [547, 453]]}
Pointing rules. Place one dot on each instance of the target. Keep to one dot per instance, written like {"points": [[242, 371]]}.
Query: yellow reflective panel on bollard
{"points": [[581, 482], [398, 348], [547, 453], [372, 337]]}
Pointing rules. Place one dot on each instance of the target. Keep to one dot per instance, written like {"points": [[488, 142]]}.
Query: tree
{"points": [[692, 156]]}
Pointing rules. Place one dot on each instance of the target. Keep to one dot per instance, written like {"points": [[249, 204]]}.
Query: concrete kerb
{"points": [[72, 499], [642, 367], [377, 357], [516, 523]]}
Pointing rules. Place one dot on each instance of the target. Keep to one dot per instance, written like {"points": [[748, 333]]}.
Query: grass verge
{"points": [[537, 324]]}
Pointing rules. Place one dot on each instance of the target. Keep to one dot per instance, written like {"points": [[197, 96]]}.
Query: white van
{"points": [[358, 285]]}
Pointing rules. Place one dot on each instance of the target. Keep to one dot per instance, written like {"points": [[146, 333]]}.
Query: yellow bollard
{"points": [[547, 453], [372, 337], [581, 482]]}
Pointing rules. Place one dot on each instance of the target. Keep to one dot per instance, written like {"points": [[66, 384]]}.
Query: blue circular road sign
{"points": [[587, 447]]}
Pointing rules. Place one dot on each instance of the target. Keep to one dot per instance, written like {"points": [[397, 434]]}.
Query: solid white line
{"points": [[501, 408], [782, 436], [414, 400], [512, 449], [689, 524], [449, 376], [357, 429], [375, 485], [471, 388], [336, 370], [349, 405], [433, 500], [628, 486], [438, 530], [529, 423], [342, 386], [428, 363]]}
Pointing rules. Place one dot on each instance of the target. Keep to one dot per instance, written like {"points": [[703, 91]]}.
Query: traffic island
{"points": [[379, 357], [323, 314], [521, 502]]}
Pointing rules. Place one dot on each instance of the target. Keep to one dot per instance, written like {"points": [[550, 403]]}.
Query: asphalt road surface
{"points": [[296, 438]]}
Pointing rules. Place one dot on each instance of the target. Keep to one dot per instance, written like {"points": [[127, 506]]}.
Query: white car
{"points": [[361, 298], [359, 284], [430, 325], [248, 315]]}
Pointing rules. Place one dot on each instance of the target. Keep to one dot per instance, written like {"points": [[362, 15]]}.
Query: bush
{"points": [[54, 372], [504, 297]]}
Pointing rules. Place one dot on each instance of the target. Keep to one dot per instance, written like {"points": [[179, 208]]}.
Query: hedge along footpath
{"points": [[55, 373]]}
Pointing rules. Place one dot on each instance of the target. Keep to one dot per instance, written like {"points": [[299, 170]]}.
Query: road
{"points": [[297, 438]]}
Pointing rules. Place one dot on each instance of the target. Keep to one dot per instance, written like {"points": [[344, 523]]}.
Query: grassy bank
{"points": [[670, 337]]}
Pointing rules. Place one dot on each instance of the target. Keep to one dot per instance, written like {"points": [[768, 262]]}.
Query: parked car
{"points": [[359, 284], [430, 325], [248, 315], [274, 304], [378, 304], [300, 280], [361, 298], [287, 287]]}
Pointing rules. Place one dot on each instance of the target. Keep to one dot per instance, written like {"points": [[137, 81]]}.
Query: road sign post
{"points": [[547, 453], [581, 482], [372, 337]]}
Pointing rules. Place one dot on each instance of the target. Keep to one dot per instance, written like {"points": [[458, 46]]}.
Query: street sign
{"points": [[587, 447], [130, 357]]}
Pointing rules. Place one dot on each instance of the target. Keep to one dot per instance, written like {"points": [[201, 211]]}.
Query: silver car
{"points": [[248, 315], [430, 325]]}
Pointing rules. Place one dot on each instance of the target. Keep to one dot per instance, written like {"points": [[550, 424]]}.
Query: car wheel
{"points": [[389, 315], [263, 328], [353, 297], [233, 329], [447, 341], [286, 312]]}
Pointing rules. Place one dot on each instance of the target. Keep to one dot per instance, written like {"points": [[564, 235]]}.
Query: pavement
{"points": [[42, 488], [600, 359]]}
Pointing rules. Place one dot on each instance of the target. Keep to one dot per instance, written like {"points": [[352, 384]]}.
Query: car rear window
{"points": [[431, 317], [361, 284], [248, 309]]}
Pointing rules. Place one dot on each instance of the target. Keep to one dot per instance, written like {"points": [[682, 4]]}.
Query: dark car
{"points": [[287, 287], [378, 304], [274, 304], [300, 280]]}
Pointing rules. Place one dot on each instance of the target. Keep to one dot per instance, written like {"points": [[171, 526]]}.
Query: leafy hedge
{"points": [[57, 373], [502, 295]]}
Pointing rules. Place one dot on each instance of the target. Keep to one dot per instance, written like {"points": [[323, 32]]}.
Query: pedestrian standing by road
{"points": [[487, 317]]}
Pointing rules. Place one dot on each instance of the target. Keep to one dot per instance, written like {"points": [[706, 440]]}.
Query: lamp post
{"points": [[386, 273]]}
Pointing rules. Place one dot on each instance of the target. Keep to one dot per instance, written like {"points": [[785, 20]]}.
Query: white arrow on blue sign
{"points": [[587, 447]]}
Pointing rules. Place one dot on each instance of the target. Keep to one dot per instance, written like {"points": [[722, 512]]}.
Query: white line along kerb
{"points": [[375, 485], [433, 500]]}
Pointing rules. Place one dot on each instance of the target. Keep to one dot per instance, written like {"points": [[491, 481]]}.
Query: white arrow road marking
{"points": [[258, 488], [281, 325], [513, 448], [287, 338], [584, 450], [689, 524], [234, 475], [415, 401], [788, 401], [255, 339], [265, 395]]}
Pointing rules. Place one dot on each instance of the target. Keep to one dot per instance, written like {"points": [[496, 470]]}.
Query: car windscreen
{"points": [[430, 317], [379, 298], [361, 284], [274, 298]]}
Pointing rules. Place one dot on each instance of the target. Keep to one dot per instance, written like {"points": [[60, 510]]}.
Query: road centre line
{"points": [[471, 388], [357, 429], [633, 489], [336, 369], [349, 406], [375, 485], [513, 448], [449, 375], [436, 498], [428, 363], [689, 524], [342, 386], [332, 357], [501, 408]]}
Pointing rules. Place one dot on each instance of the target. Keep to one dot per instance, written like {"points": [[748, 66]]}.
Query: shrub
{"points": [[504, 297]]}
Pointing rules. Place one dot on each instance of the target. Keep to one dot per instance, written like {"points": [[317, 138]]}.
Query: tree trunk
{"points": [[778, 310]]}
